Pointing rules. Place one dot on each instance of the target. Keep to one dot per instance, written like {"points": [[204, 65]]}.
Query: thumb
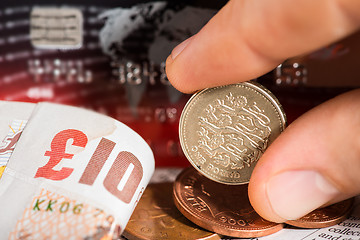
{"points": [[248, 38], [316, 161]]}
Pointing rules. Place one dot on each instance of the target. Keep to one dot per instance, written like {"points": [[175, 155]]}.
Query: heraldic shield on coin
{"points": [[225, 130]]}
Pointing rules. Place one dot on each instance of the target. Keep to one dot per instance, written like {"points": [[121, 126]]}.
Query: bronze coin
{"points": [[224, 130], [325, 217], [224, 209], [156, 217]]}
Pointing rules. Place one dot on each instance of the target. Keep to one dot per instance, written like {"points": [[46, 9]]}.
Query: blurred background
{"points": [[108, 56]]}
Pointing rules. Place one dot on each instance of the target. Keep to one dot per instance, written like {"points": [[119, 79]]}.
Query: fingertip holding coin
{"points": [[223, 132]]}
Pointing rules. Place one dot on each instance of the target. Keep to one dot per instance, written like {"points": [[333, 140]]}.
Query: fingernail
{"points": [[294, 194], [179, 48]]}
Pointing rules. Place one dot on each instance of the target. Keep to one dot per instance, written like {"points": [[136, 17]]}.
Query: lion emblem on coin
{"points": [[233, 132]]}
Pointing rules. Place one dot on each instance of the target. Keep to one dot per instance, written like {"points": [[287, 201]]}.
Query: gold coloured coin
{"points": [[156, 217], [224, 130]]}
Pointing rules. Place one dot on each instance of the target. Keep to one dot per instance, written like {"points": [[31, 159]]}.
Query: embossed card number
{"points": [[126, 165]]}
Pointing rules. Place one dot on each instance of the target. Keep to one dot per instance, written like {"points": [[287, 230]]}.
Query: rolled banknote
{"points": [[74, 174], [13, 118]]}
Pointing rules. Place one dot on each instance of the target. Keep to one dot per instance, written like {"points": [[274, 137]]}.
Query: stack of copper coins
{"points": [[223, 133]]}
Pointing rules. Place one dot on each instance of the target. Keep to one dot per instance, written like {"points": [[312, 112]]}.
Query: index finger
{"points": [[248, 38]]}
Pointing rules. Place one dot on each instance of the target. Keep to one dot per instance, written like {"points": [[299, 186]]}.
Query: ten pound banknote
{"points": [[70, 173]]}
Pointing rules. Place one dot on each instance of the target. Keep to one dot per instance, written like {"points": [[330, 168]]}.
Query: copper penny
{"points": [[156, 217], [325, 217], [221, 208]]}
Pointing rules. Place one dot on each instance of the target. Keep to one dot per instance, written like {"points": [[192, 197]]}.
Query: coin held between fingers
{"points": [[225, 130]]}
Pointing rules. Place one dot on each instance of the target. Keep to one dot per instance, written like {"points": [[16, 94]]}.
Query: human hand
{"points": [[316, 160]]}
